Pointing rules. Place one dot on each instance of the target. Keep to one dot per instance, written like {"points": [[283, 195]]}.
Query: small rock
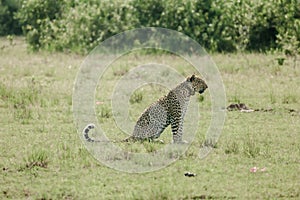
{"points": [[190, 174]]}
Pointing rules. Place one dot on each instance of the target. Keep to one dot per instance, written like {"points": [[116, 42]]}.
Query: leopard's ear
{"points": [[191, 79]]}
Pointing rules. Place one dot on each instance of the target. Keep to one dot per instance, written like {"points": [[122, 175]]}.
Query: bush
{"points": [[74, 25], [80, 25], [288, 38], [35, 17], [9, 25], [91, 24]]}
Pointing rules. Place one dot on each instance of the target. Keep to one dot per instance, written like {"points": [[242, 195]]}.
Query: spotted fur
{"points": [[86, 131], [168, 110]]}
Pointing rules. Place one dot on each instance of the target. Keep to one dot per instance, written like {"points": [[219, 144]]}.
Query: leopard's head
{"points": [[197, 83]]}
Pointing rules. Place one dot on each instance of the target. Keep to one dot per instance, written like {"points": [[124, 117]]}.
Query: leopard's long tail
{"points": [[86, 131], [86, 136]]}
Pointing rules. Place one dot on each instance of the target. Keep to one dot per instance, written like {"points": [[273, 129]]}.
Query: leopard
{"points": [[170, 109]]}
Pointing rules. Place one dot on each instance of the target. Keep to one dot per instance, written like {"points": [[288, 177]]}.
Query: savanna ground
{"points": [[42, 156]]}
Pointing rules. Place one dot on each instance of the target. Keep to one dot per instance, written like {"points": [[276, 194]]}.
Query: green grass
{"points": [[42, 156]]}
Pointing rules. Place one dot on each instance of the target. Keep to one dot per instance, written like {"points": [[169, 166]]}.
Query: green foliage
{"points": [[148, 13], [254, 25], [9, 25], [75, 25], [36, 17], [217, 25]]}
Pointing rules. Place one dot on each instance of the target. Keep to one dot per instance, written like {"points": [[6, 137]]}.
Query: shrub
{"points": [[93, 23], [9, 25], [36, 17], [218, 25], [288, 38]]}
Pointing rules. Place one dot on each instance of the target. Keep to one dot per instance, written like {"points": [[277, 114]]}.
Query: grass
{"points": [[42, 156], [136, 97]]}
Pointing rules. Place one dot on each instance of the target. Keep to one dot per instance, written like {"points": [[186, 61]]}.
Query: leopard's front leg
{"points": [[177, 128], [177, 132]]}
